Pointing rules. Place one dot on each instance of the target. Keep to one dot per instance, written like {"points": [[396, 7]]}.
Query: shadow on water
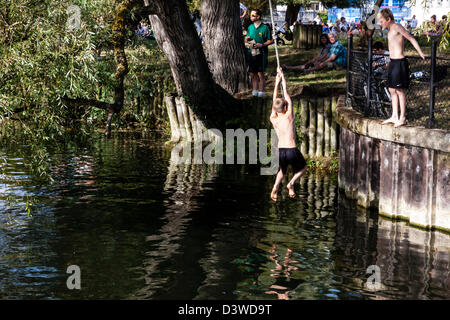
{"points": [[141, 227]]}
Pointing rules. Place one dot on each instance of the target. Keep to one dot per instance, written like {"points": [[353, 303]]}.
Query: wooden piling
{"points": [[181, 105], [320, 128], [308, 37], [173, 119], [312, 127], [303, 37], [304, 126], [327, 116], [333, 128], [296, 37], [315, 37]]}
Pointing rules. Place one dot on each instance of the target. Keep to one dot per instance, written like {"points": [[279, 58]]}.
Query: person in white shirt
{"points": [[404, 23], [318, 20], [344, 25], [413, 23]]}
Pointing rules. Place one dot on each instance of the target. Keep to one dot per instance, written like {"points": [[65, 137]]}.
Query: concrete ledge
{"points": [[354, 121], [403, 172]]}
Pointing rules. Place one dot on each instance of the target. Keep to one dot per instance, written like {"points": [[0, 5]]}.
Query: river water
{"points": [[141, 227]]}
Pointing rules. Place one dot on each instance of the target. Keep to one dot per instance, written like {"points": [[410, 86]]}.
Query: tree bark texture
{"points": [[176, 36], [292, 11], [178, 39], [224, 44]]}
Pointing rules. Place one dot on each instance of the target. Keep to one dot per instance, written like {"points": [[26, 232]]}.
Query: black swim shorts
{"points": [[398, 74], [256, 63], [293, 157]]}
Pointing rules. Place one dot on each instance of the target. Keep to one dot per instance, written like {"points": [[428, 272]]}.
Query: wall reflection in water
{"points": [[414, 263]]}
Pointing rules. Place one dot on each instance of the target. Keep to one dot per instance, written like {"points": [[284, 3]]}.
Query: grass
{"points": [[316, 83]]}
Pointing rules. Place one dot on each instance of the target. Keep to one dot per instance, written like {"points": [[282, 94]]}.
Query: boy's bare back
{"points": [[283, 120], [284, 127]]}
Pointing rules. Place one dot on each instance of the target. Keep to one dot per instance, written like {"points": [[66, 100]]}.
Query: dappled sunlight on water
{"points": [[141, 227]]}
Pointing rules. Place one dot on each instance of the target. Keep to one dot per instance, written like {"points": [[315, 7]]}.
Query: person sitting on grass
{"points": [[321, 56], [337, 56]]}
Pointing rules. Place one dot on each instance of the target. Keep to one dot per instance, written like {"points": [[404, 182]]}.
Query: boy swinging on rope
{"points": [[282, 119]]}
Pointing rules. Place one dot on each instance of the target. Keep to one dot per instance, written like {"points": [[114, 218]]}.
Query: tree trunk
{"points": [[178, 39], [224, 44], [292, 11]]}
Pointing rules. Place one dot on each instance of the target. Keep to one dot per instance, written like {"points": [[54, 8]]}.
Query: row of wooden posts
{"points": [[306, 36], [316, 126], [315, 122]]}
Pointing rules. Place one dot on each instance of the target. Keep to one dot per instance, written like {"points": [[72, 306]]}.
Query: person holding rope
{"points": [[282, 119], [257, 41]]}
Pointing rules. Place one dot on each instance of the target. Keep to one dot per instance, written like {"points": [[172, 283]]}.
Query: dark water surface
{"points": [[140, 227]]}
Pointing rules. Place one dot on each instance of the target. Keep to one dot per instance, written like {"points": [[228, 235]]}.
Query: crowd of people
{"points": [[331, 55], [258, 37], [144, 31]]}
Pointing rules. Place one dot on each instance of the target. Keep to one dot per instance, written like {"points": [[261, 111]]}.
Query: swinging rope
{"points": [[274, 34], [275, 41]]}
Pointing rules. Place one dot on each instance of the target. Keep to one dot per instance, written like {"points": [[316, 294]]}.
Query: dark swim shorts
{"points": [[398, 74], [293, 157], [256, 63]]}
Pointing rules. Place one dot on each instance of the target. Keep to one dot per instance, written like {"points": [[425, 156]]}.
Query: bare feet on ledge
{"points": [[400, 123], [291, 190], [274, 195], [390, 120]]}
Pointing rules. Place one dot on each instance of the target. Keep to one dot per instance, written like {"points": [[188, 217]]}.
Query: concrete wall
{"points": [[404, 171]]}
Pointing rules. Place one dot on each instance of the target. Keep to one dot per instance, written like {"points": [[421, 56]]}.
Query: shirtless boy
{"points": [[398, 72], [282, 119]]}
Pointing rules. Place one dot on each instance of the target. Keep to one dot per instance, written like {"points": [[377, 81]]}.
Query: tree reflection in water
{"points": [[183, 184]]}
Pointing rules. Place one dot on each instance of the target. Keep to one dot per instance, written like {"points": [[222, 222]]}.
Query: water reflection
{"points": [[183, 184], [414, 263], [141, 227]]}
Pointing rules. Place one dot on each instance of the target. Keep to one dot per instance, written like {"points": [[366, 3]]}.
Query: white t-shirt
{"points": [[344, 25], [413, 23], [404, 23]]}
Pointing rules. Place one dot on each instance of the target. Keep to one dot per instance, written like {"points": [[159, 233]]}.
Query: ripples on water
{"points": [[141, 227]]}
